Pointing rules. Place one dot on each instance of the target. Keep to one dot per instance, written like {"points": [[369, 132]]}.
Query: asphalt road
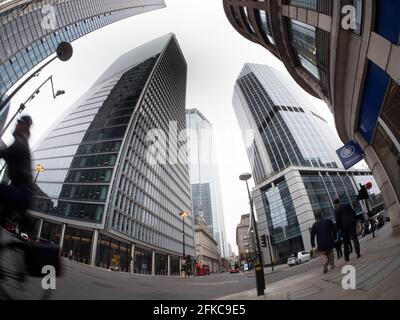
{"points": [[83, 282]]}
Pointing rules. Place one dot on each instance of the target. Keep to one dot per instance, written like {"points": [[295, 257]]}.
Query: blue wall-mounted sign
{"points": [[350, 154]]}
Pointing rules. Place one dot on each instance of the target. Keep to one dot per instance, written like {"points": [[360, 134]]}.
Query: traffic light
{"points": [[363, 193], [263, 241]]}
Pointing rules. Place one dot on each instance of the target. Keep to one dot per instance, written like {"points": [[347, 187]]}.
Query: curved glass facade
{"points": [[97, 174], [288, 131], [26, 40], [293, 159]]}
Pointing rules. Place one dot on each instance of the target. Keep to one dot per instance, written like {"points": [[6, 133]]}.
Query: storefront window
{"points": [[113, 254], [174, 264], [143, 261], [161, 264], [51, 232], [77, 244]]}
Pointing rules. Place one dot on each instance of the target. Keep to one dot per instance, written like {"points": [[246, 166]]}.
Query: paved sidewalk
{"points": [[377, 276]]}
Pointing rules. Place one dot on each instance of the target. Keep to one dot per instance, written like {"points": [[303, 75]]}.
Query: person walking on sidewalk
{"points": [[325, 231], [346, 220], [338, 244]]}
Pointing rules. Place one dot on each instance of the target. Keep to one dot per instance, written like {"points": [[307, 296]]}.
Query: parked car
{"points": [[292, 260], [300, 257], [303, 256]]}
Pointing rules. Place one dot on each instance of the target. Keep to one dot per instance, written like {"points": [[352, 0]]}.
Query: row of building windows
{"points": [[81, 192], [81, 211], [15, 67], [288, 140]]}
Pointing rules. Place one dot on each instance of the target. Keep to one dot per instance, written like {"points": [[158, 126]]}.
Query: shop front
{"points": [[174, 264], [161, 264], [143, 261], [77, 244], [51, 232], [113, 254]]}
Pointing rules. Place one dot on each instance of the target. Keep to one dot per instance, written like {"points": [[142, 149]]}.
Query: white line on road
{"points": [[212, 283]]}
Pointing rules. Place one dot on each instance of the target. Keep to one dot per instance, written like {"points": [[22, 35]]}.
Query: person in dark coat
{"points": [[16, 197], [325, 231], [346, 220], [338, 244]]}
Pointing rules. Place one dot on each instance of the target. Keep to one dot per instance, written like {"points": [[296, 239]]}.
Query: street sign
{"points": [[350, 154]]}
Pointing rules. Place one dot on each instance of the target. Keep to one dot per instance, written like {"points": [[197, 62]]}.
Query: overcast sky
{"points": [[215, 54]]}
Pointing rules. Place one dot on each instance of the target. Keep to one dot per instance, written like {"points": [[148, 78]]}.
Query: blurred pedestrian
{"points": [[324, 230], [338, 244], [346, 220], [372, 227]]}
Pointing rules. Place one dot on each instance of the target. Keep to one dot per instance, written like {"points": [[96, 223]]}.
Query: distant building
{"points": [[244, 238], [204, 177], [207, 252], [230, 251]]}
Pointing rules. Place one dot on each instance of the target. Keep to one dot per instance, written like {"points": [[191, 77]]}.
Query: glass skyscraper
{"points": [[293, 158], [206, 193], [30, 31], [100, 196]]}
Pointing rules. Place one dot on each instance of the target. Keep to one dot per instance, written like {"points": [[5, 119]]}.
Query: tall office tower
{"points": [[100, 195], [348, 54], [293, 159], [30, 31], [204, 177]]}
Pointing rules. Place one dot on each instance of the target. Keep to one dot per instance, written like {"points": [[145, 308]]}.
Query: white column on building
{"points": [[153, 263], [94, 247], [61, 244], [180, 266], [132, 258], [169, 264], [40, 228]]}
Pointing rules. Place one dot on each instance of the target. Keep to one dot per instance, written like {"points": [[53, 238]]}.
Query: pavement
{"points": [[377, 275]]}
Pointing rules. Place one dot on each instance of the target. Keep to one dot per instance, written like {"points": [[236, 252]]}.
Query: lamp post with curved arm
{"points": [[64, 53], [260, 266], [31, 97]]}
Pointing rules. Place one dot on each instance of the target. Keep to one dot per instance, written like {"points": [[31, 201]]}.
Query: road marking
{"points": [[212, 283]]}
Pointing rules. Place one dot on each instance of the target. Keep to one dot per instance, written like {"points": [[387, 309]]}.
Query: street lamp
{"points": [[39, 168], [183, 215], [260, 266], [31, 97], [64, 53]]}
